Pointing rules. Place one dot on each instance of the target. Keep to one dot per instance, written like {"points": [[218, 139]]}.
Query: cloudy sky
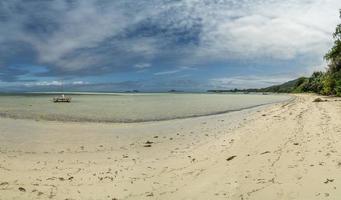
{"points": [[157, 45]]}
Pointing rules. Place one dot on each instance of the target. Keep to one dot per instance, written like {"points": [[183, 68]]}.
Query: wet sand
{"points": [[288, 150]]}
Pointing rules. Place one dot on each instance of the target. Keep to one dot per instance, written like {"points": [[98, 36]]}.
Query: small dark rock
{"points": [[21, 189]]}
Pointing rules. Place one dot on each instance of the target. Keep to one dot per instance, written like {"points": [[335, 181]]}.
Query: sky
{"points": [[158, 45]]}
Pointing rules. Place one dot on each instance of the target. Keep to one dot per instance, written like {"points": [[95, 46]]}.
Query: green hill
{"points": [[287, 87]]}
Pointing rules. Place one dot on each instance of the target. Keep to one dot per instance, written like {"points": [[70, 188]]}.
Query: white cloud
{"points": [[142, 65], [179, 69], [274, 29], [44, 83], [55, 83], [166, 72], [250, 81], [80, 83]]}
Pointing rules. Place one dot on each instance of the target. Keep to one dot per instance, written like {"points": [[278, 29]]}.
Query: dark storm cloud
{"points": [[94, 37]]}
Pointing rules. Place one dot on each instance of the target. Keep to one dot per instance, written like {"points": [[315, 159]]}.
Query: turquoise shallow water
{"points": [[128, 107]]}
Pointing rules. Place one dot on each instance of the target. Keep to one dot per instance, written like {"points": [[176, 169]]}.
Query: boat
{"points": [[62, 99]]}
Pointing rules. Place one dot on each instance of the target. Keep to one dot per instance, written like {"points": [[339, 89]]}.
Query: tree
{"points": [[334, 55], [332, 79]]}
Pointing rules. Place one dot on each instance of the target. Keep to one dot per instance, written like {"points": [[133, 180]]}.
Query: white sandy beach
{"points": [[288, 150]]}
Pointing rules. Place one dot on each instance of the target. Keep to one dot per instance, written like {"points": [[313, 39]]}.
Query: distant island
{"points": [[324, 83], [175, 91]]}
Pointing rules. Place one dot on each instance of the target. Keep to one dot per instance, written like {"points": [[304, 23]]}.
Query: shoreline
{"points": [[287, 150], [86, 120]]}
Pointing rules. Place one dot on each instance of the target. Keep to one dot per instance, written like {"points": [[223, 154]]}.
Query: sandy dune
{"points": [[289, 150]]}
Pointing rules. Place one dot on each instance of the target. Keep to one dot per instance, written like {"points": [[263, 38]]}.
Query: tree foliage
{"points": [[329, 82]]}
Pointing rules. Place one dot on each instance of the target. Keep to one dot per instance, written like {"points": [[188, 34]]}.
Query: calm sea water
{"points": [[128, 107]]}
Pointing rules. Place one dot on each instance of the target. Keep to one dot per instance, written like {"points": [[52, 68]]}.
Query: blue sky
{"points": [[157, 45]]}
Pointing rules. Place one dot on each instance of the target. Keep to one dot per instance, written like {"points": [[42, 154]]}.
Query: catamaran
{"points": [[62, 98]]}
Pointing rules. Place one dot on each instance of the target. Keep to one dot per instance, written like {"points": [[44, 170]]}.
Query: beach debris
{"points": [[3, 183], [156, 136], [21, 189], [148, 144], [230, 158], [328, 181], [296, 143], [265, 152], [339, 164], [150, 194], [319, 100]]}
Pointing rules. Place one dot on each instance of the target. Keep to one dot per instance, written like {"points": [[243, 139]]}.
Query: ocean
{"points": [[125, 107]]}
